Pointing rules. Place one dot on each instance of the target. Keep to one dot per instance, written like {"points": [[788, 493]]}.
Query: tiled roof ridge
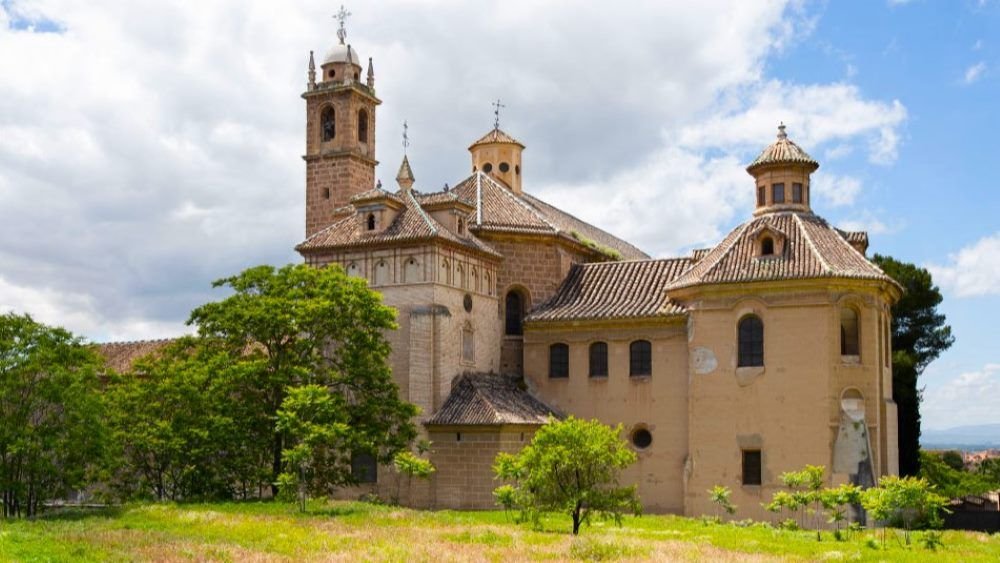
{"points": [[140, 341], [609, 263], [812, 245], [323, 231], [521, 201], [420, 210], [732, 242]]}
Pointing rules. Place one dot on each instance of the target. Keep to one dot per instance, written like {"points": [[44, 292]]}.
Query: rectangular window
{"points": [[599, 359], [778, 193], [640, 358], [364, 468], [751, 467], [468, 346], [796, 193], [559, 360], [761, 192]]}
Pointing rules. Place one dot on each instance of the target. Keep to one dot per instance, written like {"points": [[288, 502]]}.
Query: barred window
{"points": [[559, 360], [796, 193], [640, 358], [364, 467], [751, 341], [599, 359], [778, 195]]}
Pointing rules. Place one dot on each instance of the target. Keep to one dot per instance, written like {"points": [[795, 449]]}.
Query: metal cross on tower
{"points": [[342, 16], [496, 113], [406, 136]]}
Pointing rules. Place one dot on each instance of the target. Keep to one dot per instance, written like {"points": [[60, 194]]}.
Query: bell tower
{"points": [[340, 131]]}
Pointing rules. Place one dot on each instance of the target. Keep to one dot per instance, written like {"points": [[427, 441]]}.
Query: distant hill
{"points": [[981, 436]]}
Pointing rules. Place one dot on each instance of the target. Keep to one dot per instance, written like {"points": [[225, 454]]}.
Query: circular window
{"points": [[467, 303], [504, 167], [641, 438], [333, 73], [487, 168], [517, 169]]}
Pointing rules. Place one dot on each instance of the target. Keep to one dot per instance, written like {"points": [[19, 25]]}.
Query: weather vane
{"points": [[496, 113], [342, 16], [406, 137]]}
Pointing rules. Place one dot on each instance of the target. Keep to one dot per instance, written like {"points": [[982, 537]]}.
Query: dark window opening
{"points": [[461, 226], [751, 341], [778, 193], [761, 196], [559, 360], [371, 221], [487, 168], [364, 468], [362, 126], [599, 359], [641, 438], [767, 247], [326, 193], [357, 76], [504, 167], [333, 73], [796, 193], [640, 361], [849, 345], [328, 124], [751, 467], [517, 169], [515, 310]]}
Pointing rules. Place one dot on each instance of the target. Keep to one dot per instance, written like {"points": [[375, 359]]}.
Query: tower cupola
{"points": [[498, 154], [782, 173], [342, 63]]}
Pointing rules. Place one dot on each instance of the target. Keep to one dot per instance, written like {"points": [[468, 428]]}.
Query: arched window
{"points": [[514, 306], [559, 360], [371, 222], [444, 275], [767, 246], [468, 344], [382, 273], [487, 286], [461, 226], [599, 359], [328, 124], [363, 125], [849, 345], [640, 358], [462, 282], [751, 341]]}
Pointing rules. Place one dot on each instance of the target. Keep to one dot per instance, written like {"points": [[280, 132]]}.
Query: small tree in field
{"points": [[905, 498], [721, 496], [410, 465], [572, 467]]}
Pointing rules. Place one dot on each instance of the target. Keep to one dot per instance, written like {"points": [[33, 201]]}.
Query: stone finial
{"points": [[371, 73], [312, 71], [405, 176], [781, 131]]}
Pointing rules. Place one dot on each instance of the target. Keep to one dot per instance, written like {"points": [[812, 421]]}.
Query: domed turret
{"points": [[499, 155], [782, 171], [342, 63]]}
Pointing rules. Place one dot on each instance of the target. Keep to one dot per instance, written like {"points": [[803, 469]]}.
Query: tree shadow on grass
{"points": [[76, 513]]}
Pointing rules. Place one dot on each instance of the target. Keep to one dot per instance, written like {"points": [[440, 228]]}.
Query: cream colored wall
{"points": [[789, 408], [657, 402], [464, 459], [786, 175], [495, 154]]}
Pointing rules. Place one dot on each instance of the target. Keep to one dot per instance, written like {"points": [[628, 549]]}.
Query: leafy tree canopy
{"points": [[51, 429], [570, 466]]}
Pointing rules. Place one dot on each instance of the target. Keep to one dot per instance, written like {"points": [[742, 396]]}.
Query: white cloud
{"points": [[974, 72], [967, 399], [973, 271], [149, 148], [833, 190]]}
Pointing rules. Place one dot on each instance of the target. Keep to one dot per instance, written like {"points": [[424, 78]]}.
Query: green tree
{"points": [[570, 466], [301, 325], [51, 431], [990, 470], [953, 459], [906, 499], [410, 465], [919, 335], [178, 427], [722, 497], [947, 480]]}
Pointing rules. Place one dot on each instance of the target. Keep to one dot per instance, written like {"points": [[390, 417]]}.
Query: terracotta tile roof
{"points": [[496, 136], [490, 400], [411, 224], [376, 194], [812, 249], [614, 290], [858, 239], [699, 253], [782, 151], [505, 211], [436, 199], [120, 356]]}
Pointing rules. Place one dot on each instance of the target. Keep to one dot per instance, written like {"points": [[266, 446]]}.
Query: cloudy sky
{"points": [[147, 148]]}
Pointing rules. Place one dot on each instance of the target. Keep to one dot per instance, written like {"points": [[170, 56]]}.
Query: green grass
{"points": [[351, 531]]}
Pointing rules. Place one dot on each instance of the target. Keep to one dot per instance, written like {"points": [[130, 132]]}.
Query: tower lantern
{"points": [[782, 173]]}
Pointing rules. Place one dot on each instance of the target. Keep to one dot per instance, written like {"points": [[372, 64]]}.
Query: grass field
{"points": [[346, 531]]}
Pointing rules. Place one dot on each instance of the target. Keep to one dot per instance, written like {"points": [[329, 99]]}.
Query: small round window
{"points": [[467, 303], [641, 438], [504, 167], [487, 168], [333, 73]]}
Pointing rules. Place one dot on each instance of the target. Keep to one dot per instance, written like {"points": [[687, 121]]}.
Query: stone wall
{"points": [[464, 459]]}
